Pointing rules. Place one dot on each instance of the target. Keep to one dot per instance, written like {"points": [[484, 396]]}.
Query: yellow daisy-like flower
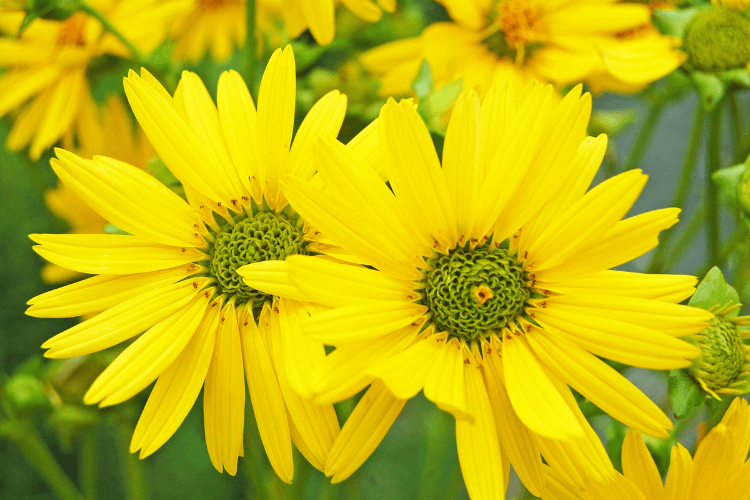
{"points": [[173, 277], [44, 77], [489, 286], [609, 44], [112, 134], [219, 26], [719, 471]]}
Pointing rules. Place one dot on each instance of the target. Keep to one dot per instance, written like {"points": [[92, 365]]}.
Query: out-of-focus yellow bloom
{"points": [[44, 77], [608, 44], [733, 4], [218, 26], [113, 134], [719, 470]]}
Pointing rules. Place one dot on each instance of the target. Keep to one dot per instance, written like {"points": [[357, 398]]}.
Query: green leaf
{"points": [[710, 87], [674, 22], [684, 394], [610, 121], [713, 290], [432, 107], [728, 180], [423, 83], [740, 76]]}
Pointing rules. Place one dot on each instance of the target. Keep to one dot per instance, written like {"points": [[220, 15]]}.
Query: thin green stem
{"points": [[251, 51], [38, 454], [736, 123], [643, 139], [683, 186], [89, 464], [690, 231], [734, 239], [255, 469], [713, 163], [135, 54], [132, 467]]}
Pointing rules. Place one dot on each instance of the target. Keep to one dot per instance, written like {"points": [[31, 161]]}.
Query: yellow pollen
{"points": [[482, 294], [520, 23], [71, 32]]}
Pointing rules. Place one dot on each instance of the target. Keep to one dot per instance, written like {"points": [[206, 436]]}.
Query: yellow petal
{"points": [[444, 384], [319, 16], [271, 277], [531, 391], [302, 355], [177, 388], [122, 321], [364, 9], [147, 358], [680, 475], [130, 199], [265, 396], [20, 84], [224, 396], [60, 111], [367, 146], [364, 430], [101, 292], [663, 287], [477, 442], [275, 121], [639, 467], [111, 253]]}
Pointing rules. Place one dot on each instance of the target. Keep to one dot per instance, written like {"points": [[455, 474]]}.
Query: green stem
{"points": [[251, 51], [690, 231], [734, 239], [135, 54], [253, 465], [683, 186], [713, 163], [132, 468], [89, 465], [736, 116], [643, 138], [438, 425]]}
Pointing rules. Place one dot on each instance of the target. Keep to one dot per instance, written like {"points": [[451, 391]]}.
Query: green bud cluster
{"points": [[259, 237], [474, 292], [722, 352], [718, 39]]}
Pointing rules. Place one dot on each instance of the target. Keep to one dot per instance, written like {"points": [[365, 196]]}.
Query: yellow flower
{"points": [[111, 134], [173, 276], [219, 26], [733, 4], [489, 286], [610, 44], [44, 77], [720, 469]]}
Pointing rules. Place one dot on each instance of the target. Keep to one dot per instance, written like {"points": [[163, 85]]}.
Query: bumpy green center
{"points": [[262, 236], [718, 39], [472, 293], [723, 353]]}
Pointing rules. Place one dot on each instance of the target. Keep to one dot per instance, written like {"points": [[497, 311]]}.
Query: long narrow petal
{"points": [[271, 277], [534, 397], [639, 467], [147, 358], [366, 145], [319, 16], [478, 445], [101, 292], [177, 388], [302, 355], [265, 396], [680, 475], [224, 396], [663, 287], [111, 253], [364, 430], [122, 321], [444, 384]]}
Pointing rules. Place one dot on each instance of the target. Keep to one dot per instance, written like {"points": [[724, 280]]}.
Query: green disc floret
{"points": [[723, 354], [718, 39], [259, 237], [472, 293]]}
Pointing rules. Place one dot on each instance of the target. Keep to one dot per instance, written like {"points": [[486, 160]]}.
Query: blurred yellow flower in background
{"points": [[113, 133], [44, 79], [720, 469], [610, 45]]}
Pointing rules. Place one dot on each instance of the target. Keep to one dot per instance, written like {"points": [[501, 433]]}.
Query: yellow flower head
{"points": [[44, 77], [720, 469], [219, 26], [111, 134], [733, 4], [489, 286], [172, 277], [608, 44]]}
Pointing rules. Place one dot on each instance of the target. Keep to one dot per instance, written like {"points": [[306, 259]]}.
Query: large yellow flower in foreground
{"points": [[173, 277], [610, 45], [111, 135], [489, 286], [719, 471], [219, 26], [44, 77]]}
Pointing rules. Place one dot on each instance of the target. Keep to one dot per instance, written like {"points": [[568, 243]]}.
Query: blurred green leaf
{"points": [[674, 22], [713, 290], [423, 83], [684, 394], [610, 121], [710, 87], [728, 180]]}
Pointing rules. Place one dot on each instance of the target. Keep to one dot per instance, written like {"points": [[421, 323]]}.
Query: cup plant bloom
{"points": [[610, 45], [172, 278], [487, 285]]}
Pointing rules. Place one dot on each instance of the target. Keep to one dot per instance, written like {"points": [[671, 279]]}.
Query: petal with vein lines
{"points": [[271, 277], [680, 475], [638, 466], [663, 287], [444, 384]]}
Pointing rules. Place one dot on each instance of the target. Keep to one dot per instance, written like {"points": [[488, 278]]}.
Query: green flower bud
{"points": [[718, 39], [27, 396]]}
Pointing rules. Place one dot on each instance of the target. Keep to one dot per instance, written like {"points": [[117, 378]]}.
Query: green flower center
{"points": [[258, 237], [473, 293], [718, 39], [723, 354]]}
